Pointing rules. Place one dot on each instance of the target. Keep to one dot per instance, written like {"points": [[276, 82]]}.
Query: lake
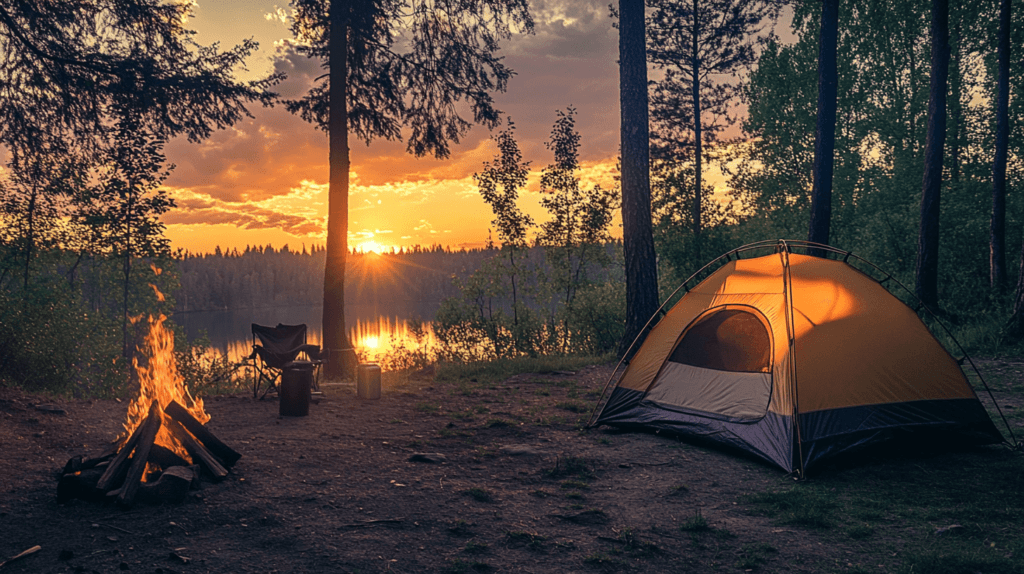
{"points": [[373, 329]]}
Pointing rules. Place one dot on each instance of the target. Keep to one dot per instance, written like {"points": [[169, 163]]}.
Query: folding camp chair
{"points": [[275, 349]]}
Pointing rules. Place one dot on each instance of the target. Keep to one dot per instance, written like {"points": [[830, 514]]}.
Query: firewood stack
{"points": [[118, 474]]}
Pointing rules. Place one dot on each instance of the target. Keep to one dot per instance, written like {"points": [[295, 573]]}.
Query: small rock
{"points": [[948, 529], [433, 457]]}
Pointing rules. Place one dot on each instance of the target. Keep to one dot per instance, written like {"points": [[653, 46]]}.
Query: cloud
{"points": [[254, 175]]}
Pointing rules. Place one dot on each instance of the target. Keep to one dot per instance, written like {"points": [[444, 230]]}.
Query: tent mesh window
{"points": [[721, 366]]}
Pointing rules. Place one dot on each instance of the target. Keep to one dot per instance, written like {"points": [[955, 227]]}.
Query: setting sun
{"points": [[372, 247]]}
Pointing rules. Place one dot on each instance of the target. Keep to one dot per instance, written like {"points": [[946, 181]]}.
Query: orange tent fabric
{"points": [[795, 358]]}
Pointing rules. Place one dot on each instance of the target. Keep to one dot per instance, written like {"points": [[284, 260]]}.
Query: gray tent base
{"points": [[826, 434]]}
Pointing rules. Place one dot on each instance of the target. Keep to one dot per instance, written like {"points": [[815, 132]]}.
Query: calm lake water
{"points": [[373, 329]]}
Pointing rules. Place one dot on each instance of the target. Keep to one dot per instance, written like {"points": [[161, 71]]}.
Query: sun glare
{"points": [[371, 247]]}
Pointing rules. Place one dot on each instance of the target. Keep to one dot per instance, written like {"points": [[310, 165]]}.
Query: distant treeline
{"points": [[265, 277]]}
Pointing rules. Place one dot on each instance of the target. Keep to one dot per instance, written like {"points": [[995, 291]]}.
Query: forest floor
{"points": [[516, 487]]}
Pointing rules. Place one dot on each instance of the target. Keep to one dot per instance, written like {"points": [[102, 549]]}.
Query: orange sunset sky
{"points": [[265, 180]]}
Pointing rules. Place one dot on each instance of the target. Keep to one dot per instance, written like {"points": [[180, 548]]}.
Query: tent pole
{"points": [[787, 293]]}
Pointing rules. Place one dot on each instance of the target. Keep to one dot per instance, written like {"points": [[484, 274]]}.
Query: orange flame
{"points": [[159, 380]]}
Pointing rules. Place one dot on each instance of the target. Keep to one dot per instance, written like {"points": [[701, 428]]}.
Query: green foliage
{"points": [[882, 106], [575, 236], [516, 304], [76, 63], [50, 342], [205, 370], [422, 73]]}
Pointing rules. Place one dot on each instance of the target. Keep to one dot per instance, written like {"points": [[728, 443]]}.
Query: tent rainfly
{"points": [[794, 359]]}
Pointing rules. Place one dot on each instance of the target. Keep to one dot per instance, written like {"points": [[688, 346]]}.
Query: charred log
{"points": [[200, 455], [114, 476], [225, 453], [141, 456], [80, 485], [165, 457], [172, 486]]}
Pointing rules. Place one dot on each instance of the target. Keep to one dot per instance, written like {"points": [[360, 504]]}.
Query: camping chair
{"points": [[277, 349]]}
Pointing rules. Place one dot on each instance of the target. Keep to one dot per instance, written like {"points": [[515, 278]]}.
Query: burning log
{"points": [[225, 453], [138, 466], [165, 457], [118, 468], [152, 464], [206, 459]]}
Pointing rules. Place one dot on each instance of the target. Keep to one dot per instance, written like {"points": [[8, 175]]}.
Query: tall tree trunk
{"points": [[127, 271], [697, 143], [825, 132], [956, 110], [927, 275], [637, 234], [30, 233], [1016, 322], [340, 355], [997, 228]]}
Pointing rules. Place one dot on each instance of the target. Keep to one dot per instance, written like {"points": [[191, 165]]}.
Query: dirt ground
{"points": [[516, 488]]}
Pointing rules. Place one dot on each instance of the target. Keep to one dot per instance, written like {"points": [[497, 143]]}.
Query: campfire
{"points": [[165, 447]]}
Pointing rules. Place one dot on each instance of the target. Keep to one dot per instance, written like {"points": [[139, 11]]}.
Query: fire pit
{"points": [[166, 446]]}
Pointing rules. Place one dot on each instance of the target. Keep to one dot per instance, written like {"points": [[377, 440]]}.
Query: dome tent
{"points": [[794, 359]]}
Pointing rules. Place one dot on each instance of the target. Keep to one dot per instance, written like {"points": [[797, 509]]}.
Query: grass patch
{"points": [[698, 526], [754, 555], [632, 543], [542, 392], [460, 528], [573, 406], [501, 369], [958, 563], [575, 484], [570, 466], [679, 490], [472, 547], [602, 559], [574, 495], [696, 523], [531, 540], [497, 424], [860, 531], [479, 494], [428, 407], [460, 566], [807, 507]]}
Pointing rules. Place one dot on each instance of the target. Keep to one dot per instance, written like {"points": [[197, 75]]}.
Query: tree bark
{"points": [[637, 233], [335, 338], [927, 273], [997, 227], [956, 109], [697, 144], [825, 132]]}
